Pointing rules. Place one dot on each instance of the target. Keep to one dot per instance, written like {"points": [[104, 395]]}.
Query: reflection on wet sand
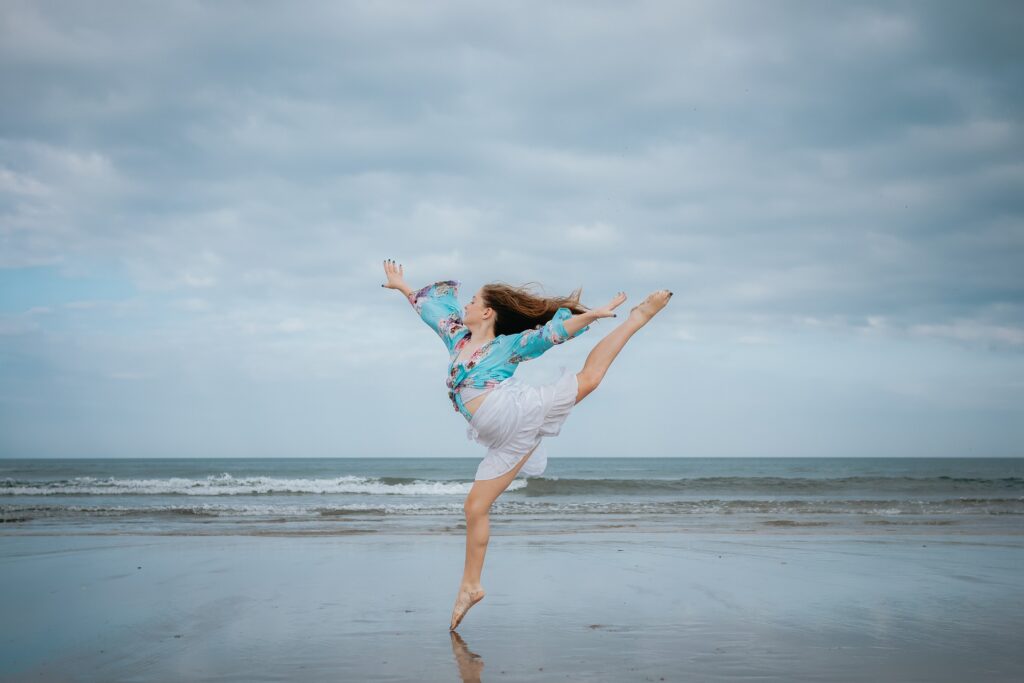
{"points": [[470, 663]]}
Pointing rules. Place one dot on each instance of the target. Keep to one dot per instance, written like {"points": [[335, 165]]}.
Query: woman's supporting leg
{"points": [[602, 355], [478, 533]]}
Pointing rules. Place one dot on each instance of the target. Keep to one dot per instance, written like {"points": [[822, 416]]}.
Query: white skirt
{"points": [[514, 418]]}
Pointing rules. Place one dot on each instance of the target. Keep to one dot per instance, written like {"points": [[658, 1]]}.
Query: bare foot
{"points": [[467, 598], [646, 309]]}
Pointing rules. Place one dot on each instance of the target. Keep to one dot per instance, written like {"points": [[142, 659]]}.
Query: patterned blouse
{"points": [[496, 360]]}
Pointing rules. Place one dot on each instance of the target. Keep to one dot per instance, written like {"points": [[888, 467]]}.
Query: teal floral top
{"points": [[496, 360]]}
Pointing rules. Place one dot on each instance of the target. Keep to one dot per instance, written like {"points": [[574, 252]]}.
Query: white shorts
{"points": [[514, 418]]}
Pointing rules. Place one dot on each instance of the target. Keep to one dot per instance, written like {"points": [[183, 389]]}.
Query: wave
{"points": [[228, 485], [772, 485], [708, 507], [215, 510]]}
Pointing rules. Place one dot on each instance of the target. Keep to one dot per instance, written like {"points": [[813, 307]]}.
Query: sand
{"points": [[615, 606]]}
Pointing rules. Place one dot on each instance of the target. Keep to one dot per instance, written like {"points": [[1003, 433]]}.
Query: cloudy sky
{"points": [[196, 198]]}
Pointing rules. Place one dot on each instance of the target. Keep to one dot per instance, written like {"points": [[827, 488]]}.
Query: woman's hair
{"points": [[518, 309]]}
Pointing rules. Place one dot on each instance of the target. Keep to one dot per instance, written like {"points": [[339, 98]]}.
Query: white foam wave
{"points": [[228, 485], [232, 510]]}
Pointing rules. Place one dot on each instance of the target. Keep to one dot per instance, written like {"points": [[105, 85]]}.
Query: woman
{"points": [[503, 326]]}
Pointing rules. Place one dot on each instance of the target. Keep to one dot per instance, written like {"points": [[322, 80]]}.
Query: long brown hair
{"points": [[520, 309]]}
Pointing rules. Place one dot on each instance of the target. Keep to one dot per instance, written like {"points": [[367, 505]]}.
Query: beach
{"points": [[611, 606], [609, 596]]}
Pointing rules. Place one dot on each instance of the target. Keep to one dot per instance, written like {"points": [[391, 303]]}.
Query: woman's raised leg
{"points": [[478, 532], [602, 355]]}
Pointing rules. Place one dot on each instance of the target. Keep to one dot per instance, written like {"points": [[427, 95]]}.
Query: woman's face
{"points": [[476, 312]]}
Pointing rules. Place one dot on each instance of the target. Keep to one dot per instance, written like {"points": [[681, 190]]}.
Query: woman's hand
{"points": [[609, 310], [395, 275]]}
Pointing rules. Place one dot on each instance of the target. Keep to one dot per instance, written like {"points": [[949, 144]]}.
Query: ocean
{"points": [[316, 496], [619, 569]]}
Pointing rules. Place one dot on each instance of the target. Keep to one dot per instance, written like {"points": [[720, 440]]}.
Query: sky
{"points": [[196, 200]]}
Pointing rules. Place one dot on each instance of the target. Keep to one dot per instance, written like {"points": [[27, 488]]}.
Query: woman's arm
{"points": [[437, 304], [562, 327], [533, 343], [579, 321]]}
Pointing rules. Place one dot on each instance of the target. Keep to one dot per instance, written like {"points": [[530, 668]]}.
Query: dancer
{"points": [[502, 327]]}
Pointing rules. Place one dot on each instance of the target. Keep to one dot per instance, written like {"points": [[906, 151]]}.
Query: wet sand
{"points": [[613, 606]]}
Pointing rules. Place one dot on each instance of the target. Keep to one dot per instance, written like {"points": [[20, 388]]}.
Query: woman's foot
{"points": [[646, 309], [468, 596]]}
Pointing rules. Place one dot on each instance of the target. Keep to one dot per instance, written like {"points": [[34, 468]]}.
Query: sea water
{"points": [[425, 495]]}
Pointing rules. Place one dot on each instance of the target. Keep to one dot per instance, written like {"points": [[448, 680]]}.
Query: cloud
{"points": [[970, 331], [849, 174]]}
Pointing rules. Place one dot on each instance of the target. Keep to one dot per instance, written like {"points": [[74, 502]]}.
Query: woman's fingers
{"points": [[394, 272], [606, 312]]}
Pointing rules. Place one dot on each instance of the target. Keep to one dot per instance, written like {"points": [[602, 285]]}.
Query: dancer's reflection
{"points": [[470, 663]]}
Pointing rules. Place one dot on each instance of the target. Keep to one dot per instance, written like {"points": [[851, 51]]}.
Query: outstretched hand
{"points": [[609, 310], [395, 275]]}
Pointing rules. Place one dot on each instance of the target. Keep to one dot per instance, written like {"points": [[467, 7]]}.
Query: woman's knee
{"points": [[587, 381], [475, 507]]}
